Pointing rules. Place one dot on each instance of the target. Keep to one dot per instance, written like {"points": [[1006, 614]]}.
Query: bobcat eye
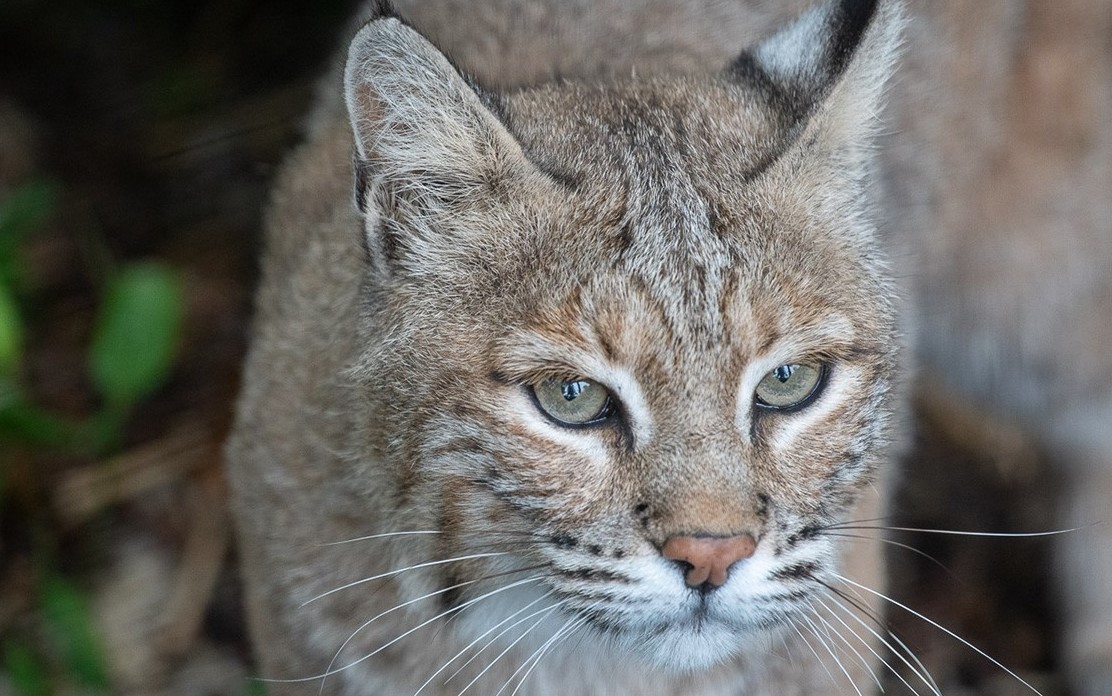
{"points": [[574, 402], [790, 387]]}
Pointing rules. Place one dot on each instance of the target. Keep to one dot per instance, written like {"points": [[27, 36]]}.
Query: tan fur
{"points": [[612, 228]]}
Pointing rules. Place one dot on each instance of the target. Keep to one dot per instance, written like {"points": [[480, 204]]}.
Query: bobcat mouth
{"points": [[699, 634], [701, 613], [644, 605]]}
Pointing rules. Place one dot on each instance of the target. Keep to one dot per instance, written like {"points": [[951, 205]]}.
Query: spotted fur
{"points": [[672, 236]]}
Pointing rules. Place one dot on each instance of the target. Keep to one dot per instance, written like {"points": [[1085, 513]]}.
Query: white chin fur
{"points": [[687, 648]]}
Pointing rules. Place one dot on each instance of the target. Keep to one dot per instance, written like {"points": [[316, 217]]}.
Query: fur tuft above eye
{"points": [[574, 401], [791, 387]]}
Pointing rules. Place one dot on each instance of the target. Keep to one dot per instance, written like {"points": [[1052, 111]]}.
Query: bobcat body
{"points": [[624, 198]]}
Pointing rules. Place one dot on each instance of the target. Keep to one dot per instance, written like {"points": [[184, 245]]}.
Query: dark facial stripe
{"points": [[799, 571]]}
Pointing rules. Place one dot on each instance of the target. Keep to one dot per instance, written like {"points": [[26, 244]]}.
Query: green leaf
{"points": [[11, 332], [21, 213], [136, 333], [101, 434], [28, 674], [26, 208], [67, 616], [28, 423]]}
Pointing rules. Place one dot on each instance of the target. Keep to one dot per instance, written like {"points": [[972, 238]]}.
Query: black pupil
{"points": [[784, 372], [572, 390]]}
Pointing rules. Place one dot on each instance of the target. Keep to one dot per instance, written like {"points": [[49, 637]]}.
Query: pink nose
{"points": [[710, 558]]}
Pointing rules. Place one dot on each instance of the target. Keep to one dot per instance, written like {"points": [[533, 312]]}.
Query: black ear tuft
{"points": [[798, 66], [850, 20], [748, 70], [381, 9]]}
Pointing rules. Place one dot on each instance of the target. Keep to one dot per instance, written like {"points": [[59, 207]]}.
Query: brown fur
{"points": [[664, 233]]}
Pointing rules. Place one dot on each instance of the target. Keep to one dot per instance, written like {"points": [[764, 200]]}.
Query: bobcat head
{"points": [[627, 347]]}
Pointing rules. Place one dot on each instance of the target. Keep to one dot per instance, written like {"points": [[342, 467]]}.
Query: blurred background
{"points": [[137, 141]]}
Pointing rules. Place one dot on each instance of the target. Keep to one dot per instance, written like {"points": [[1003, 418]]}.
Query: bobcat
{"points": [[576, 394]]}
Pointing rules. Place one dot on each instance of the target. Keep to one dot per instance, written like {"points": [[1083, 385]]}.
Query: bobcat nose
{"points": [[708, 559]]}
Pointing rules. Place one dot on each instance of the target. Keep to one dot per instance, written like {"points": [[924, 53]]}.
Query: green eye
{"points": [[790, 387], [574, 402]]}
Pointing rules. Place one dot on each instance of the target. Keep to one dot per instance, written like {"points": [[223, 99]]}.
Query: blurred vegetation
{"points": [[134, 340], [137, 140], [66, 642]]}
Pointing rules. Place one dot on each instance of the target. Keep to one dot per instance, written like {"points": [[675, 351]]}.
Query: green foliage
{"points": [[132, 352], [11, 333], [21, 213], [68, 652], [136, 333], [134, 341], [26, 422], [29, 675], [70, 625]]}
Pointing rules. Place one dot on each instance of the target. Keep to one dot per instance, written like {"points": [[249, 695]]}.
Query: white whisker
{"points": [[860, 639], [544, 615], [384, 535], [928, 680], [832, 632], [475, 642], [399, 571], [382, 614], [558, 637], [911, 653], [892, 542], [956, 532], [787, 651], [826, 645], [810, 647], [404, 635], [942, 628], [503, 632]]}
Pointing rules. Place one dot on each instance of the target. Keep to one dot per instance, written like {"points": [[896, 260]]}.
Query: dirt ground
{"points": [[160, 125]]}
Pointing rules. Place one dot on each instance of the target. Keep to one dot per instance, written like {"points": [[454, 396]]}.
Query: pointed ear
{"points": [[426, 144], [826, 72]]}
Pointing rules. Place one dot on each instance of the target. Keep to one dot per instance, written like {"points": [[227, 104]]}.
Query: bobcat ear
{"points": [[426, 144], [830, 65]]}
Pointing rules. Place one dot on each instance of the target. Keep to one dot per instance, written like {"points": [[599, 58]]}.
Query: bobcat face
{"points": [[626, 346]]}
